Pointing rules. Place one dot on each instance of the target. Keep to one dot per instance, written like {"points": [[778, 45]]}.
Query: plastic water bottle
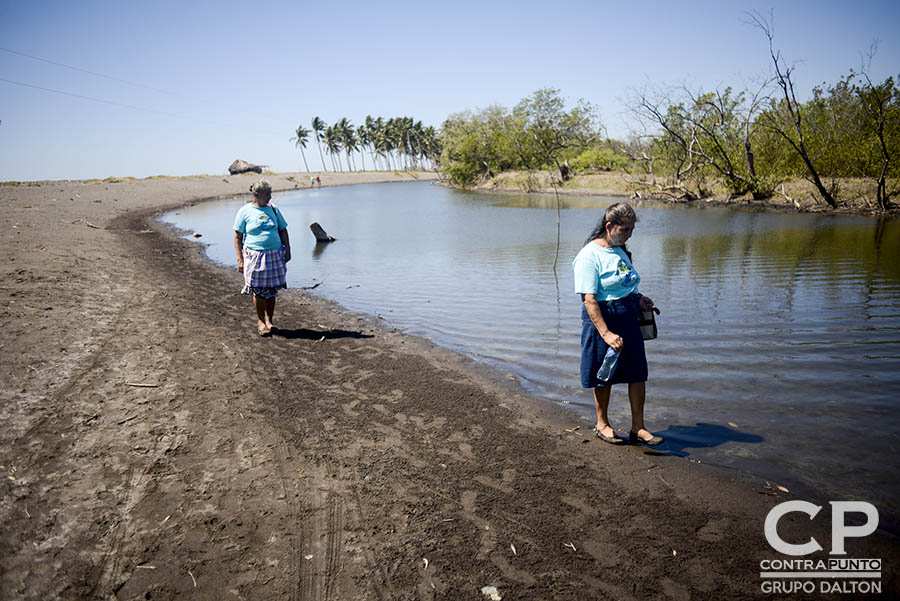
{"points": [[610, 361]]}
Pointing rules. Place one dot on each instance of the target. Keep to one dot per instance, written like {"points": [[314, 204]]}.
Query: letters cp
{"points": [[839, 529]]}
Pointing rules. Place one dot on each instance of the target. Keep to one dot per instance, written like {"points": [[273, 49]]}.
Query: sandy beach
{"points": [[156, 448]]}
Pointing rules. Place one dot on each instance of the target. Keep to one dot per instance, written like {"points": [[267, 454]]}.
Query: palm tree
{"points": [[431, 146], [367, 138], [318, 126], [414, 134], [379, 140], [408, 148], [402, 139], [333, 146], [347, 137], [301, 136], [391, 139], [362, 134]]}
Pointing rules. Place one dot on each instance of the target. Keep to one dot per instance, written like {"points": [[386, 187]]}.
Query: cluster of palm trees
{"points": [[393, 144]]}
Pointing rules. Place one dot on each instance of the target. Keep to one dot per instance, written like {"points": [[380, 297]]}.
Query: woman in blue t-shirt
{"points": [[263, 248], [608, 284]]}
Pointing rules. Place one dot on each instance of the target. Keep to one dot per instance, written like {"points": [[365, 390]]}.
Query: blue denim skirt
{"points": [[621, 317]]}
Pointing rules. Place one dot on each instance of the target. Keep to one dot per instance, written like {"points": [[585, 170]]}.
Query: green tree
{"points": [[550, 130], [600, 158], [476, 145]]}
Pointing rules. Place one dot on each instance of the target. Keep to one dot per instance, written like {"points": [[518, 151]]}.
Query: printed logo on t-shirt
{"points": [[626, 274], [265, 222]]}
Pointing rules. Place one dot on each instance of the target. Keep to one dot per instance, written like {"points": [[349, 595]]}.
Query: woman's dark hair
{"points": [[616, 214], [261, 187]]}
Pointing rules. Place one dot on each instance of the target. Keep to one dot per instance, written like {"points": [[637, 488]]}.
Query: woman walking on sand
{"points": [[263, 248], [608, 284]]}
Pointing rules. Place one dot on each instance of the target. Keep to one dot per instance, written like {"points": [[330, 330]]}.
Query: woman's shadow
{"points": [[307, 334], [700, 436]]}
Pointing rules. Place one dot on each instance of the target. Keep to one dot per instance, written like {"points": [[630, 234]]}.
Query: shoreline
{"points": [[800, 200], [135, 396]]}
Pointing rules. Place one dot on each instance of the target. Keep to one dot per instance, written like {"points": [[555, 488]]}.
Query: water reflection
{"points": [[319, 249], [825, 241]]}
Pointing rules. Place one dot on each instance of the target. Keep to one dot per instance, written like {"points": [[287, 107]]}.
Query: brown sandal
{"points": [[633, 438]]}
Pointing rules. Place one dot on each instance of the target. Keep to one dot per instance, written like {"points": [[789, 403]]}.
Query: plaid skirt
{"points": [[264, 272]]}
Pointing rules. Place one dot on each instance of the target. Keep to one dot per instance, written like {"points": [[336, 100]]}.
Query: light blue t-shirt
{"points": [[260, 226], [604, 272]]}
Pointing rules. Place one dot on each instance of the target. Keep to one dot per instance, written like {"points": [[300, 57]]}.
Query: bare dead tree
{"points": [[641, 174], [650, 186], [875, 101], [684, 141], [786, 197], [681, 144], [712, 130], [793, 108], [726, 123], [749, 122]]}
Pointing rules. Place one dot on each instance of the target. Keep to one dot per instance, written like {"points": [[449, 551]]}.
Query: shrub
{"points": [[602, 159]]}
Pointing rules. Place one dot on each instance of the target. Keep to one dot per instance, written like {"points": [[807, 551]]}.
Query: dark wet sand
{"points": [[156, 448]]}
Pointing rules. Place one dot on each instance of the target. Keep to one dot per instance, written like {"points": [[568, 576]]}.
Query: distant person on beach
{"points": [[318, 181], [263, 248], [312, 181], [608, 284]]}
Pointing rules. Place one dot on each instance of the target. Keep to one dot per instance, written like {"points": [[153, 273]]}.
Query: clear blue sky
{"points": [[223, 80]]}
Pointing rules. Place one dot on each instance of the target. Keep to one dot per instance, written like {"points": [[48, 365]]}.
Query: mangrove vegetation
{"points": [[683, 143]]}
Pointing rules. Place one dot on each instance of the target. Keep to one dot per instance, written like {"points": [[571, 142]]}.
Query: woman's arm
{"points": [[285, 239], [593, 309], [239, 249]]}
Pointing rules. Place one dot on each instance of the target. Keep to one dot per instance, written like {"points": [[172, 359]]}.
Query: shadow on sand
{"points": [[305, 334], [701, 436]]}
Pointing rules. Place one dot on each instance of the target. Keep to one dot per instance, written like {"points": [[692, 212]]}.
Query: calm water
{"points": [[787, 326]]}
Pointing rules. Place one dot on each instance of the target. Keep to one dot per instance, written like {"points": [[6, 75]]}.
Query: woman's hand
{"points": [[287, 254], [240, 265], [596, 315], [647, 304], [613, 340]]}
